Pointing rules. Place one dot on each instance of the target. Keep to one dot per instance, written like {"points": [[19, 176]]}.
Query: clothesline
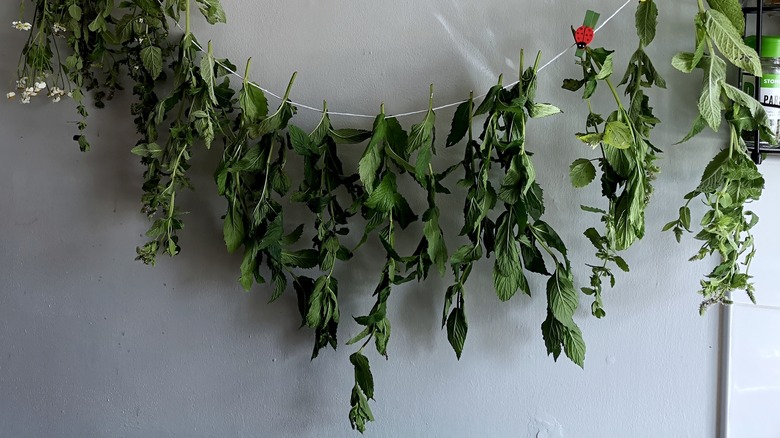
{"points": [[406, 114]]}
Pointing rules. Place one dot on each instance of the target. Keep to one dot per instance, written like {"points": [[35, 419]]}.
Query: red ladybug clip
{"points": [[585, 33], [583, 36]]}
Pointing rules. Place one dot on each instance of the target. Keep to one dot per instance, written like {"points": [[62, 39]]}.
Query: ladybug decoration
{"points": [[585, 33], [583, 36]]}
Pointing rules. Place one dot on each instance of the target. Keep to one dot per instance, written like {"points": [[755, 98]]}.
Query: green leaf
{"points": [[300, 141], [315, 303], [254, 105], [233, 229], [360, 413], [539, 110], [350, 136], [729, 42], [140, 150], [545, 233], [385, 197], [732, 9], [592, 209], [618, 135], [561, 296], [457, 329], [372, 157], [212, 10], [460, 123], [685, 217], [574, 345], [745, 100], [151, 57], [647, 21], [607, 68], [572, 84], [437, 249], [713, 173], [582, 172], [508, 281], [207, 74], [363, 376], [248, 267], [553, 333], [709, 103], [685, 62], [75, 12], [421, 137], [591, 139], [595, 238], [621, 264], [305, 258]]}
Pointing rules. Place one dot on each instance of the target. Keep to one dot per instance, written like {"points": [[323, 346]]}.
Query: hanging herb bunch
{"points": [[731, 180], [79, 47], [627, 157], [518, 236]]}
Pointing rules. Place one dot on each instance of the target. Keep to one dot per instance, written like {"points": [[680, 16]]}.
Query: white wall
{"points": [[95, 344]]}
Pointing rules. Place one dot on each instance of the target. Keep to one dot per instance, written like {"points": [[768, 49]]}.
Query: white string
{"points": [[410, 113]]}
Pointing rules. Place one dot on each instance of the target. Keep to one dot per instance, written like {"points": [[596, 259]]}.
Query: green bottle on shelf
{"points": [[770, 82]]}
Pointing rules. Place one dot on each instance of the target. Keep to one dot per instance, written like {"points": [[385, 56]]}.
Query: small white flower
{"points": [[59, 28], [10, 95], [21, 84], [21, 25], [140, 19], [70, 94], [40, 85], [56, 99], [26, 100]]}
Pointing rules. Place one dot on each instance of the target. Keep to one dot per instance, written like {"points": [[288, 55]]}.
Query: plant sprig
{"points": [[518, 236], [627, 160], [731, 180]]}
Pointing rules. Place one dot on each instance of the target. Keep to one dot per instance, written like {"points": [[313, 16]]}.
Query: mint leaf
{"points": [[372, 157], [363, 376], [212, 10], [233, 229], [561, 296], [647, 21], [730, 43], [710, 105], [460, 123], [253, 103], [618, 135], [582, 172], [732, 9], [151, 57], [457, 329]]}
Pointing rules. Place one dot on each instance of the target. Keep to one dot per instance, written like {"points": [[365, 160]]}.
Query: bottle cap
{"points": [[770, 45]]}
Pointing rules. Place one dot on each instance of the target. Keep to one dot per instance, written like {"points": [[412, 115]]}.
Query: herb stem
{"points": [[187, 31], [289, 87]]}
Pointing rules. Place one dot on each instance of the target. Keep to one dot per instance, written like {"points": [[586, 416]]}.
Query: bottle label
{"points": [[769, 97]]}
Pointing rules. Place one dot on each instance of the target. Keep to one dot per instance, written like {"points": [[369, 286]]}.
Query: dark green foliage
{"points": [[627, 160]]}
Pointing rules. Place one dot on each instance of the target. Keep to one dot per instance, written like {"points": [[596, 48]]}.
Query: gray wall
{"points": [[93, 344]]}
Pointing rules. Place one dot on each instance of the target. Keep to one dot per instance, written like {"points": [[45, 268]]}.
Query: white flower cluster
{"points": [[28, 92], [56, 94], [59, 29], [21, 25]]}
